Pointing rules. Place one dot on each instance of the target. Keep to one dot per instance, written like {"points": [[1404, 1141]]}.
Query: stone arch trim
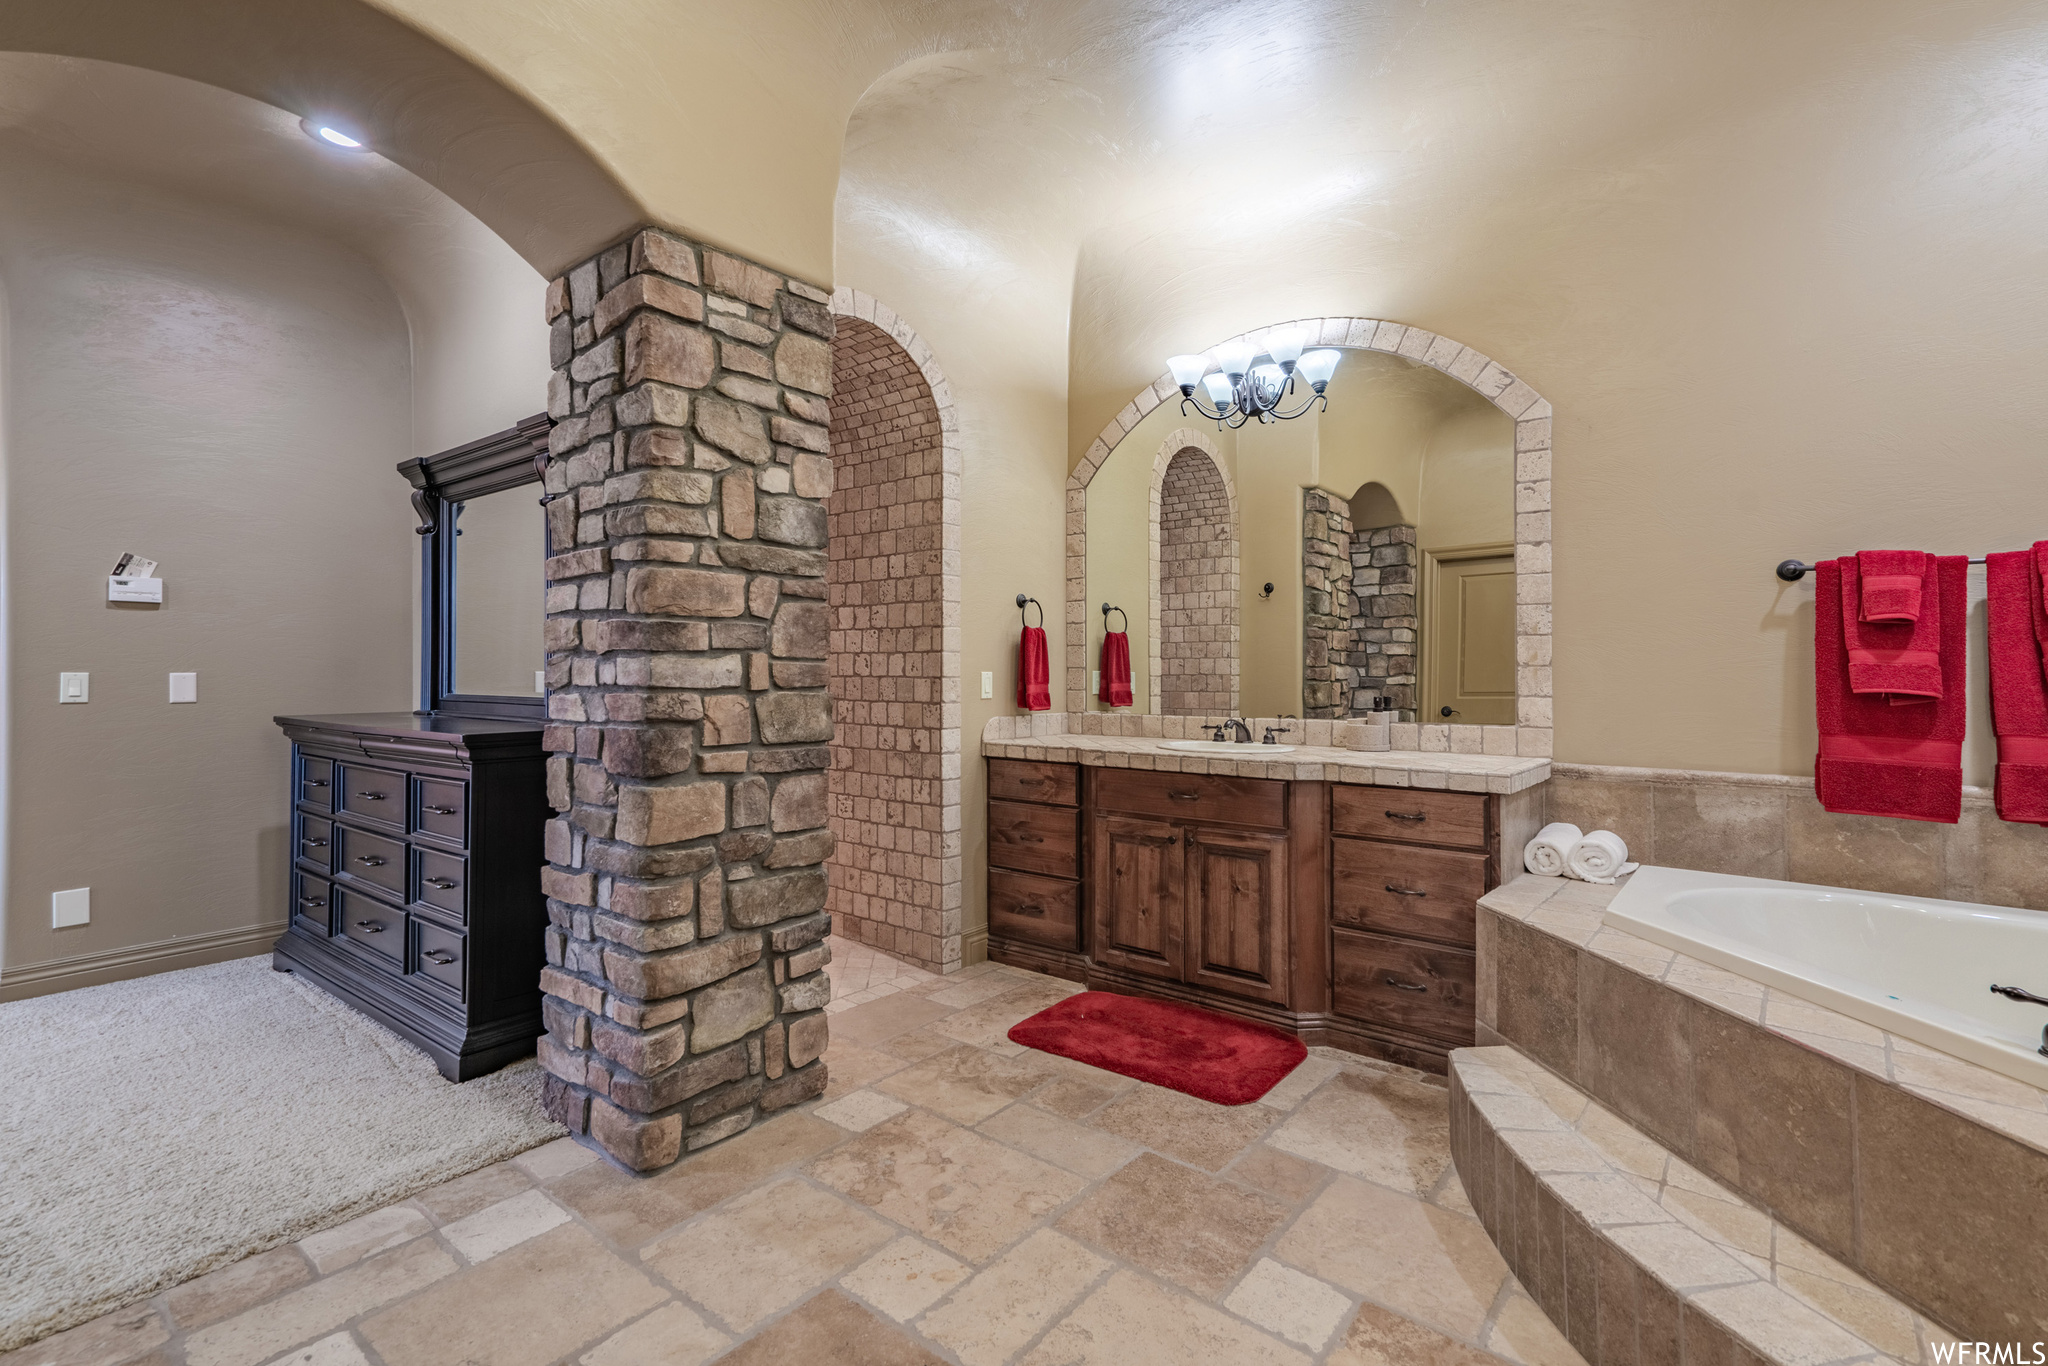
{"points": [[853, 303], [1181, 439], [1532, 734]]}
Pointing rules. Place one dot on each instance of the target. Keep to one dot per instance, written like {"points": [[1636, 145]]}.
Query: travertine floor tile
{"points": [[234, 1288], [1002, 1308], [860, 1110], [1281, 1300], [1089, 1152], [1197, 1231], [1425, 1262], [338, 1350], [314, 1310], [832, 1330], [1379, 1337], [1294, 1088], [1204, 1135], [1384, 1128], [766, 1250], [346, 1244], [551, 1160], [1131, 1320], [905, 1278], [672, 1335], [467, 1194], [108, 1340], [966, 1085], [876, 1021], [1073, 1099], [483, 1235], [1523, 1332], [849, 1066], [1284, 1176]]}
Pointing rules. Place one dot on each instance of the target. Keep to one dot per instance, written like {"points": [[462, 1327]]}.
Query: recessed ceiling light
{"points": [[331, 136]]}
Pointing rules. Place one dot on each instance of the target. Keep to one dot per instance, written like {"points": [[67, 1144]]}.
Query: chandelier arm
{"points": [[1216, 416], [1313, 399]]}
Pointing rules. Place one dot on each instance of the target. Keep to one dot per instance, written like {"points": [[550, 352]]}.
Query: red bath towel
{"points": [[1898, 657], [2018, 631], [1115, 688], [1876, 759], [1889, 584], [1034, 671]]}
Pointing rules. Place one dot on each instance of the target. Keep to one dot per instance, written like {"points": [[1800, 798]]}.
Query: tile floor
{"points": [[951, 1198]]}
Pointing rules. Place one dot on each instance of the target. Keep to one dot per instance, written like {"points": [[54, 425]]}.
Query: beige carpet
{"points": [[153, 1130]]}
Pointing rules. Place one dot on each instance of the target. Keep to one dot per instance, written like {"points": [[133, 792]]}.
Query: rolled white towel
{"points": [[1601, 856], [1551, 850]]}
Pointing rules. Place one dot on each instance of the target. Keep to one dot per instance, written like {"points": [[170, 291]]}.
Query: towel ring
{"points": [[1021, 601], [1107, 609]]}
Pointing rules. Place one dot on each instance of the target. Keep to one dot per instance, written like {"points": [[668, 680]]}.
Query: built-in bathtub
{"points": [[1913, 966]]}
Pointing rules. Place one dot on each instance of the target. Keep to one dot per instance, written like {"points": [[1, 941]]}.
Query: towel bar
{"points": [[1792, 571]]}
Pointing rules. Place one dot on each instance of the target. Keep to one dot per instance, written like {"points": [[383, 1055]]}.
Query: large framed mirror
{"points": [[483, 557]]}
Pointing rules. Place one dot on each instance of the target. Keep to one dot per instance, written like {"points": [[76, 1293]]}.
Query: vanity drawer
{"points": [[1406, 889], [1410, 815], [363, 857], [313, 904], [375, 795], [1192, 796], [443, 882], [316, 843], [1019, 780], [443, 956], [1044, 910], [1034, 839], [1419, 988], [371, 925], [443, 809], [316, 782]]}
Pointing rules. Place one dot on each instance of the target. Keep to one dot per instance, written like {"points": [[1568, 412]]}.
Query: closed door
{"points": [[1237, 912], [1140, 867], [1468, 642]]}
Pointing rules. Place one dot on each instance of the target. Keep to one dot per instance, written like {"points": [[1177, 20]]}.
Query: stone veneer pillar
{"points": [[688, 714], [1326, 606], [1384, 623]]}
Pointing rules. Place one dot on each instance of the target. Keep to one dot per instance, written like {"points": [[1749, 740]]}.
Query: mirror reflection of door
{"points": [[1468, 642]]}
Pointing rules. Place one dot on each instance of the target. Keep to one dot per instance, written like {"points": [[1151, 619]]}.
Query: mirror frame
{"points": [[1532, 734], [442, 482]]}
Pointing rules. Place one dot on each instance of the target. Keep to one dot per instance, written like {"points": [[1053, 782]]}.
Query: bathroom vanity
{"points": [[1318, 899]]}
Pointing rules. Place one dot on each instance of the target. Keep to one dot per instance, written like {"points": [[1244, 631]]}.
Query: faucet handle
{"points": [[1272, 731]]}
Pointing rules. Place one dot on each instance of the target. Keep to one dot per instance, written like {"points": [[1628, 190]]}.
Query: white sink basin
{"points": [[1230, 747]]}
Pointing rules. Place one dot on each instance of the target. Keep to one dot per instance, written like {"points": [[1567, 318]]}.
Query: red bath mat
{"points": [[1210, 1056]]}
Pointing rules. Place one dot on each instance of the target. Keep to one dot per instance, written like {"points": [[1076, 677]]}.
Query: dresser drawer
{"points": [[362, 857], [1044, 910], [375, 795], [371, 925], [1019, 780], [316, 782], [442, 882], [443, 957], [1418, 988], [442, 809], [316, 843], [1034, 839], [313, 904], [1406, 889], [1404, 813], [1192, 796]]}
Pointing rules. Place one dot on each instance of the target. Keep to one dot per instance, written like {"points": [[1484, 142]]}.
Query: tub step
{"points": [[1638, 1256]]}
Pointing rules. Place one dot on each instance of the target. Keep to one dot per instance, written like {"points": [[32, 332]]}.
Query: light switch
{"points": [[1095, 681], [70, 908], [988, 684], [540, 682], [74, 687], [184, 687]]}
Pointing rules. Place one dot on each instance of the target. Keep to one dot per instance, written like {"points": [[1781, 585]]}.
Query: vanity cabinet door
{"points": [[1140, 869], [1237, 912]]}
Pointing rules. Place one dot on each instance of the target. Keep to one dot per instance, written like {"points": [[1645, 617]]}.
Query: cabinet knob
{"points": [[1173, 839], [370, 926], [1399, 985], [1407, 815], [1404, 891]]}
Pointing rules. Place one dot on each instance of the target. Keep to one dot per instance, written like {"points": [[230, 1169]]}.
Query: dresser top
{"points": [[406, 728]]}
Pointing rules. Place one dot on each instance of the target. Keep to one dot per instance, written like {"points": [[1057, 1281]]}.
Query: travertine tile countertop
{"points": [[1037, 738]]}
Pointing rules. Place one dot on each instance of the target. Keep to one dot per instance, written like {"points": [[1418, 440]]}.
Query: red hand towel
{"points": [[2041, 571], [1901, 658], [1034, 671], [1876, 759], [1115, 687], [2018, 631], [1890, 584]]}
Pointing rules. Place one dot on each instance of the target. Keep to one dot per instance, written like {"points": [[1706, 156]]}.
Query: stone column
{"points": [[1384, 624], [688, 715], [1326, 606]]}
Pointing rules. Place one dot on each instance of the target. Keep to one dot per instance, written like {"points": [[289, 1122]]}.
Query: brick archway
{"points": [[893, 585], [1163, 613]]}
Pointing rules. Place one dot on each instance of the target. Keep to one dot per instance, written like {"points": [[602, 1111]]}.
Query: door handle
{"points": [[1399, 985], [1404, 891], [377, 927], [1407, 815]]}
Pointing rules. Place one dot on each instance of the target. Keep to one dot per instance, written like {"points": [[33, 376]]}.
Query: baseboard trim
{"points": [[138, 960], [974, 947]]}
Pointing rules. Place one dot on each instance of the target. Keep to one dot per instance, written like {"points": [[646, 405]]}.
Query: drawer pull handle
{"points": [[1185, 796], [371, 796], [1399, 985], [443, 883], [1404, 891], [370, 860], [441, 810], [316, 782], [311, 901], [1407, 815], [316, 844], [1031, 839], [441, 956], [1030, 910], [370, 926]]}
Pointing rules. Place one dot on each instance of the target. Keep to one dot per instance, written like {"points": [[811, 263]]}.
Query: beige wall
{"points": [[1468, 479], [1120, 565]]}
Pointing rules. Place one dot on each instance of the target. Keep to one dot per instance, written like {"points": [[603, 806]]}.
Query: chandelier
{"points": [[1239, 391]]}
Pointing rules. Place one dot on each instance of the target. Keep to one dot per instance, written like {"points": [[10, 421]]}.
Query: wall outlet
{"points": [[184, 687], [70, 908], [988, 683], [74, 687]]}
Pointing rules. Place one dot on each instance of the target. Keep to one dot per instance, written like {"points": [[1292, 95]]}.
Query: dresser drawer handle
{"points": [[1404, 891], [1399, 985], [377, 927], [371, 796], [316, 782], [311, 901], [440, 810], [443, 883], [370, 860], [1028, 910], [1185, 796], [1031, 839], [315, 844], [1407, 815], [441, 956]]}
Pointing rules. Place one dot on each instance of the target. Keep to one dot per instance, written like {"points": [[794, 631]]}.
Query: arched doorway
{"points": [[1195, 636]]}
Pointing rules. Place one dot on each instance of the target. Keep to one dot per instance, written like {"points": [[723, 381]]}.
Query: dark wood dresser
{"points": [[415, 885]]}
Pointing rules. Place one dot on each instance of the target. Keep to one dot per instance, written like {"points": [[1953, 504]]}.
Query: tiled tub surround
{"points": [[1922, 1172], [1641, 1257], [1138, 742]]}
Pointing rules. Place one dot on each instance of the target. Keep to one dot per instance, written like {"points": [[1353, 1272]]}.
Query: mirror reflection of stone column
{"points": [[1384, 628], [1327, 672]]}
